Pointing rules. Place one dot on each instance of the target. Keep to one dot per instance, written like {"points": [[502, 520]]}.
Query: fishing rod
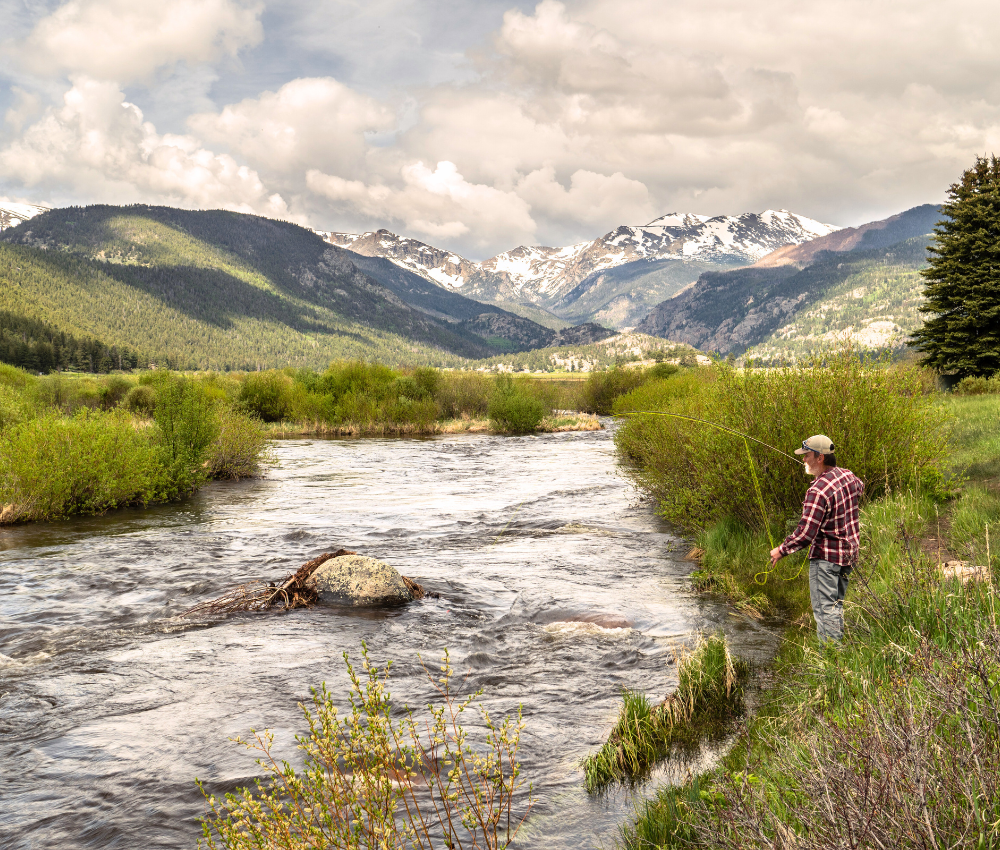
{"points": [[707, 422], [753, 472]]}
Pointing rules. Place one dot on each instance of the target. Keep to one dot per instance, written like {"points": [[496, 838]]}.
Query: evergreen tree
{"points": [[962, 337]]}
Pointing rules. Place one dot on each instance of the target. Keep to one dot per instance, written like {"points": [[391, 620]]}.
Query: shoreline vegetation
{"points": [[892, 738], [86, 444]]}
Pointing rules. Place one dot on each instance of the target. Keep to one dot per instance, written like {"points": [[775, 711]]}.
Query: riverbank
{"points": [[564, 421], [891, 738], [84, 444]]}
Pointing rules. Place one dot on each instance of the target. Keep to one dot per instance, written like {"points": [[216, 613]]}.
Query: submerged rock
{"points": [[358, 580]]}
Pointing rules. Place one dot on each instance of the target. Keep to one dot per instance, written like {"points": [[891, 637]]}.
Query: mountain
{"points": [[861, 285], [12, 214], [614, 279], [212, 289]]}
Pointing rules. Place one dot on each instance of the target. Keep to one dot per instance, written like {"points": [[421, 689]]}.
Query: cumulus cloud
{"points": [[97, 145], [126, 40], [592, 199], [308, 124], [438, 204], [566, 119]]}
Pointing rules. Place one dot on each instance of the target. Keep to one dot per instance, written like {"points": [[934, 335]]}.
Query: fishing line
{"points": [[753, 472]]}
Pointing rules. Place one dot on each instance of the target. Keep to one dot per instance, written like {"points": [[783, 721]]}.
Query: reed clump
{"points": [[377, 776], [710, 692]]}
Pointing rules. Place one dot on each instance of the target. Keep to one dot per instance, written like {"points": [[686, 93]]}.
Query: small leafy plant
{"points": [[370, 781]]}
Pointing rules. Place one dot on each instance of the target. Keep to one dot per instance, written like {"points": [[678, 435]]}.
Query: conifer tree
{"points": [[962, 335]]}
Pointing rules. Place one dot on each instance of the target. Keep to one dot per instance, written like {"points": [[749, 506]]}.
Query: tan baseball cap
{"points": [[817, 443]]}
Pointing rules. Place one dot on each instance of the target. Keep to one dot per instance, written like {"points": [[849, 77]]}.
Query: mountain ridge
{"points": [[577, 282], [861, 286]]}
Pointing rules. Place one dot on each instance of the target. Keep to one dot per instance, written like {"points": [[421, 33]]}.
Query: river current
{"points": [[558, 587]]}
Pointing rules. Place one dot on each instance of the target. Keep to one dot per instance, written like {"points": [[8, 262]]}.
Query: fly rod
{"points": [[753, 470]]}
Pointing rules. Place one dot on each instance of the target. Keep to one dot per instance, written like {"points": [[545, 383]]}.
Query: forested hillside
{"points": [[213, 289], [42, 347]]}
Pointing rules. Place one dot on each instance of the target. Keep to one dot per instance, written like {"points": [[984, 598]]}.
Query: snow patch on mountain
{"points": [[551, 277], [12, 213]]}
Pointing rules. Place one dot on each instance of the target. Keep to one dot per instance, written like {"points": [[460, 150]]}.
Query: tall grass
{"points": [[709, 692], [883, 426]]}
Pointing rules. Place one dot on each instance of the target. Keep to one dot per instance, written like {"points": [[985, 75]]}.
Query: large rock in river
{"points": [[357, 580]]}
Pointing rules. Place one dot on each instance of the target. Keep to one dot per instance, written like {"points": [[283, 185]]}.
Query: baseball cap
{"points": [[817, 443]]}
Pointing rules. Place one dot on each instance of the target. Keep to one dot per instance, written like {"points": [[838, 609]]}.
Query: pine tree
{"points": [[962, 337]]}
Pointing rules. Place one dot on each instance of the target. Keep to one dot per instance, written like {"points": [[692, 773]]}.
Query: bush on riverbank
{"points": [[63, 451], [513, 409], [377, 777], [885, 429]]}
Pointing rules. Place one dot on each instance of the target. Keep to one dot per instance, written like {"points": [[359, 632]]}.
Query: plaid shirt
{"points": [[829, 521]]}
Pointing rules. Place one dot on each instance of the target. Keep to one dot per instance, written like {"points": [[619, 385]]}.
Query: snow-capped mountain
{"points": [[614, 279], [12, 214]]}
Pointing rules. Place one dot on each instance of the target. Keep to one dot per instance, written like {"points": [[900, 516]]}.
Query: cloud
{"points": [[556, 123], [592, 199], [438, 204], [127, 40], [97, 146], [308, 124]]}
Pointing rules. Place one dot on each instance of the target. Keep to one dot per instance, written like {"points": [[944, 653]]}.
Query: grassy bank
{"points": [[88, 445], [78, 443], [891, 739]]}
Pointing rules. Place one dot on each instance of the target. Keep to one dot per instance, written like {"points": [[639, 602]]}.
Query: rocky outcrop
{"points": [[361, 581]]}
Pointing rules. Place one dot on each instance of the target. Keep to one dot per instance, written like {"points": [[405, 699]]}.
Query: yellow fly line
{"points": [[753, 472]]}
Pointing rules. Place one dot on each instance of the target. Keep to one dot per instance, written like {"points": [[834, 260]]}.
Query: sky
{"points": [[480, 125]]}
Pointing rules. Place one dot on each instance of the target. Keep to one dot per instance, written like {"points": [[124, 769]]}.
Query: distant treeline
{"points": [[41, 347]]}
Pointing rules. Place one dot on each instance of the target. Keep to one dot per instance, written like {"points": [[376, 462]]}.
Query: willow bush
{"points": [[377, 777], [52, 466], [885, 429]]}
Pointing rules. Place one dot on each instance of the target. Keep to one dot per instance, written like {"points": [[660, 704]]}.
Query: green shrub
{"points": [[187, 424], [140, 400], [240, 449], [512, 410], [266, 395], [602, 388], [11, 376], [463, 394], [374, 776], [885, 430], [54, 466], [15, 406], [112, 391], [977, 385]]}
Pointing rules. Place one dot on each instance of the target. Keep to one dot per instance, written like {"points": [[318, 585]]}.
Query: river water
{"points": [[558, 587]]}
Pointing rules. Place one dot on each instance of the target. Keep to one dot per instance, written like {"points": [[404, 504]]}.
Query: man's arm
{"points": [[813, 512]]}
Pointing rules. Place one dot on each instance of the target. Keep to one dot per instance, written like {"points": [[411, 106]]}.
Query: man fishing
{"points": [[830, 527]]}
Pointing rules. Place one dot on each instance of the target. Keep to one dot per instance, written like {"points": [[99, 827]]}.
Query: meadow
{"points": [[891, 738]]}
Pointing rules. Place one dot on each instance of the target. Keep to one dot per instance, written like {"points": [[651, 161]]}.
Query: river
{"points": [[558, 587]]}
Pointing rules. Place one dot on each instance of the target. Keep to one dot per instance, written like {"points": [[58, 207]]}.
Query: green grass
{"points": [[897, 728], [709, 693]]}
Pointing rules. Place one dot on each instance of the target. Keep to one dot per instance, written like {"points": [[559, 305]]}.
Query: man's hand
{"points": [[775, 555]]}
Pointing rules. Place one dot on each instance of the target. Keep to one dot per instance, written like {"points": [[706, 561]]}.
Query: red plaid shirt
{"points": [[829, 521]]}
